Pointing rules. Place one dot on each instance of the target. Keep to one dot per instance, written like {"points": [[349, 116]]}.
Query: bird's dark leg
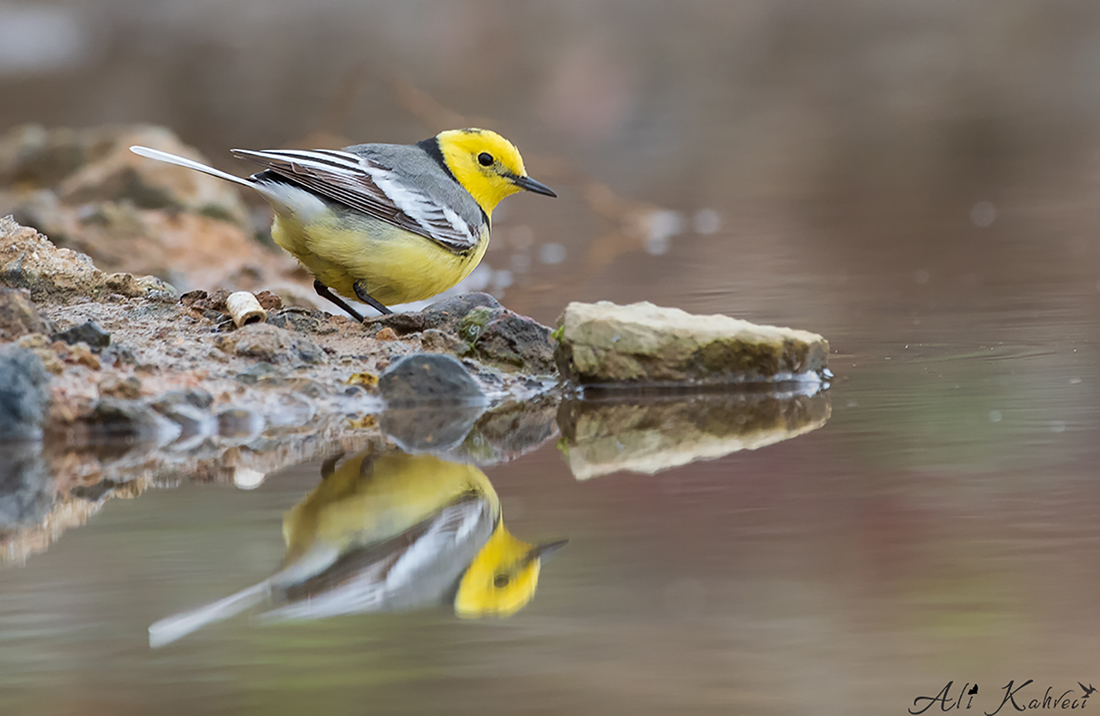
{"points": [[361, 292], [324, 292], [329, 465]]}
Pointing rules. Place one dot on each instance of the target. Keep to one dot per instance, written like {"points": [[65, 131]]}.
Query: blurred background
{"points": [[918, 180], [922, 149]]}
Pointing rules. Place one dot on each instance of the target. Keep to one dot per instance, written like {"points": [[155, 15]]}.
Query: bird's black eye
{"points": [[501, 580], [485, 159]]}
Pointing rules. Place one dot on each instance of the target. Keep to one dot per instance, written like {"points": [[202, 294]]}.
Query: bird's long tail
{"points": [[190, 164], [180, 625]]}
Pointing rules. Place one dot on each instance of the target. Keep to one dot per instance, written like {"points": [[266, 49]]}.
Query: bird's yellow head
{"points": [[503, 576], [487, 165]]}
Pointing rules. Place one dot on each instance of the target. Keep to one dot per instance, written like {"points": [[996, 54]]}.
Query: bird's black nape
{"points": [[431, 148]]}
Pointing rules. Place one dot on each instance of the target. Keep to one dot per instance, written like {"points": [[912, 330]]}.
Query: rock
{"points": [[19, 317], [23, 394], [509, 340], [40, 346], [642, 344], [649, 437], [271, 344], [87, 332], [114, 385], [448, 314], [79, 354], [262, 372], [477, 326], [119, 355], [297, 320], [269, 301], [437, 341], [29, 260], [428, 378], [201, 301]]}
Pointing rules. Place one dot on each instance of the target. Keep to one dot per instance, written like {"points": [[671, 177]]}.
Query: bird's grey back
{"points": [[416, 167]]}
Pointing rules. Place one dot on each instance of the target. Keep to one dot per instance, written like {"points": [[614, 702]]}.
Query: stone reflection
{"points": [[43, 496], [651, 434], [27, 493], [472, 433], [388, 531]]}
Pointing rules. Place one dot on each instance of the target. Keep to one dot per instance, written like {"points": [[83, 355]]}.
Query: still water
{"points": [[929, 518], [915, 181]]}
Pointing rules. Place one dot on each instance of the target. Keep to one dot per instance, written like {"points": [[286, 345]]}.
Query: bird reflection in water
{"points": [[388, 532]]}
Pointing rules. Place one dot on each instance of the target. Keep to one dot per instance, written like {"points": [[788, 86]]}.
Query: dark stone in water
{"points": [[88, 332], [23, 394], [428, 378], [26, 490]]}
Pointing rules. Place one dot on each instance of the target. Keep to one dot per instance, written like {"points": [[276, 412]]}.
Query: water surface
{"points": [[916, 182]]}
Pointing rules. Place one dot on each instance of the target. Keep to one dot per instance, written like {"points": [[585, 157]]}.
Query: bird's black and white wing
{"points": [[371, 187], [409, 571]]}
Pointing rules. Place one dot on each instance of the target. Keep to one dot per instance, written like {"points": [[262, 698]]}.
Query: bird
{"points": [[383, 223], [388, 531], [1088, 691]]}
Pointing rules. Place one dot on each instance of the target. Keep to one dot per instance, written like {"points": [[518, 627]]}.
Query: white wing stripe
{"points": [[318, 162], [336, 159], [456, 221], [412, 203], [442, 534]]}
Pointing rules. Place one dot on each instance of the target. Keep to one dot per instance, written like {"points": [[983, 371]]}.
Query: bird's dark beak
{"points": [[530, 184], [543, 551]]}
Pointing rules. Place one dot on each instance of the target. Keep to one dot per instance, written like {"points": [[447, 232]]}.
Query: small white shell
{"points": [[245, 478], [245, 309]]}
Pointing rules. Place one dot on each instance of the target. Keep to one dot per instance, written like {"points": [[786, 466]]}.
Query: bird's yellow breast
{"points": [[356, 506], [397, 266]]}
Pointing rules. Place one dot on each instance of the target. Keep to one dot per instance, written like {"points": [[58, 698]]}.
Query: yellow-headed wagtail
{"points": [[389, 532], [384, 223]]}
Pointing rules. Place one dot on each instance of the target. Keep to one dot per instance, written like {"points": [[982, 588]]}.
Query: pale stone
{"points": [[643, 344]]}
